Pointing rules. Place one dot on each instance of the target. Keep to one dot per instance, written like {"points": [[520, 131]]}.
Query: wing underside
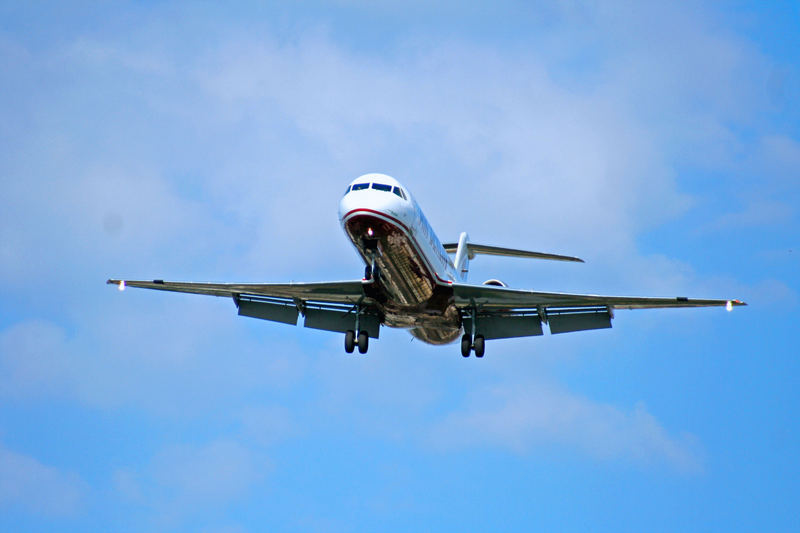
{"points": [[499, 312], [331, 306]]}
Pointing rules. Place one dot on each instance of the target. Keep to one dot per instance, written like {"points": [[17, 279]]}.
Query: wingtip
{"points": [[733, 303], [118, 282]]}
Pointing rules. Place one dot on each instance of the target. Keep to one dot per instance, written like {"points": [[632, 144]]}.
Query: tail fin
{"points": [[461, 261], [465, 251]]}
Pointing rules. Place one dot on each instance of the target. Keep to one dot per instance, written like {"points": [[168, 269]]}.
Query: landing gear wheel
{"points": [[466, 345], [368, 272], [349, 341], [363, 342], [480, 346]]}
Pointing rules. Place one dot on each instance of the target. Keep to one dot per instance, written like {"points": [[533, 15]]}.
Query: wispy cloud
{"points": [[536, 416], [183, 480], [26, 483]]}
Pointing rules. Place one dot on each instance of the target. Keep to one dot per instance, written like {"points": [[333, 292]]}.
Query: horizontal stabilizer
{"points": [[474, 249]]}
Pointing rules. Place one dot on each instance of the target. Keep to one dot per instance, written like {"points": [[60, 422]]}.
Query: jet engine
{"points": [[495, 283]]}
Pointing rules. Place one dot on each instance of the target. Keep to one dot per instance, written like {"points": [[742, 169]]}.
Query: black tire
{"points": [[480, 346], [363, 342], [466, 345], [368, 272], [349, 341]]}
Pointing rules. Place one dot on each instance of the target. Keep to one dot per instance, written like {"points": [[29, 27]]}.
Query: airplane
{"points": [[410, 281]]}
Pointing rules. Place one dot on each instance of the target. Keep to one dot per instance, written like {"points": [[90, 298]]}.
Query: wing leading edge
{"points": [[492, 297], [342, 292]]}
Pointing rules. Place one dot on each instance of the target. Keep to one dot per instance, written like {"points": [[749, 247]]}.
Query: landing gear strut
{"points": [[372, 272]]}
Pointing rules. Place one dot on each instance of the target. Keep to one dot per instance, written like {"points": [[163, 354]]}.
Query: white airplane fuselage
{"points": [[408, 270]]}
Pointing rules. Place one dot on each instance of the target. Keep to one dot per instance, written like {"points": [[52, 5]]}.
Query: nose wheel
{"points": [[372, 272]]}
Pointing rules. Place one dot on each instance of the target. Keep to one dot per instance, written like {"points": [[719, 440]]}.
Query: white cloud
{"points": [[536, 416], [186, 480], [268, 424], [214, 473], [179, 360], [28, 484], [192, 483]]}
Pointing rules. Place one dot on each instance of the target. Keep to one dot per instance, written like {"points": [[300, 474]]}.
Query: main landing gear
{"points": [[350, 341], [468, 345]]}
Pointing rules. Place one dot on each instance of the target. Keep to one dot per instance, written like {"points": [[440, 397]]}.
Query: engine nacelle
{"points": [[495, 283]]}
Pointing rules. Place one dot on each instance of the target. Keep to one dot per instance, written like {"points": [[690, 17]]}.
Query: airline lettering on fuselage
{"points": [[433, 242]]}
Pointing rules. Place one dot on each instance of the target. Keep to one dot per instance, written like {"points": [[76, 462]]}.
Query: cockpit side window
{"points": [[382, 187], [347, 190], [399, 192], [359, 187]]}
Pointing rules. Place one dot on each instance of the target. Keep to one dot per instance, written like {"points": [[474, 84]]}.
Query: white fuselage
{"points": [[414, 274]]}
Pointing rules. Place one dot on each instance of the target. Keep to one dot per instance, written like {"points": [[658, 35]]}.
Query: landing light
{"points": [[121, 285], [729, 306], [369, 232]]}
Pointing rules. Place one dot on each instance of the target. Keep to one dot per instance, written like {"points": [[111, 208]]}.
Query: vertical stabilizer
{"points": [[461, 261]]}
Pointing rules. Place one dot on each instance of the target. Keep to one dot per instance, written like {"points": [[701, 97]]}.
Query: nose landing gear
{"points": [[372, 272]]}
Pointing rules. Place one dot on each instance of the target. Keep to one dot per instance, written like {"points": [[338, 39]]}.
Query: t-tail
{"points": [[465, 251]]}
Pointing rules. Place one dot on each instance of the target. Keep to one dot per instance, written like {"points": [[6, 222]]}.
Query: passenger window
{"points": [[382, 187], [360, 186], [399, 192]]}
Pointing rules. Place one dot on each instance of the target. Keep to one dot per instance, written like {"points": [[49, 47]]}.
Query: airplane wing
{"points": [[345, 292], [494, 297], [329, 306], [499, 312]]}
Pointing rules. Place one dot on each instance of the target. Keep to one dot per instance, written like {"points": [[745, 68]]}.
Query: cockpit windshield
{"points": [[378, 187]]}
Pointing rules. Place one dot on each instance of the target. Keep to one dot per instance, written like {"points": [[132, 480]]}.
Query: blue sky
{"points": [[194, 141]]}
